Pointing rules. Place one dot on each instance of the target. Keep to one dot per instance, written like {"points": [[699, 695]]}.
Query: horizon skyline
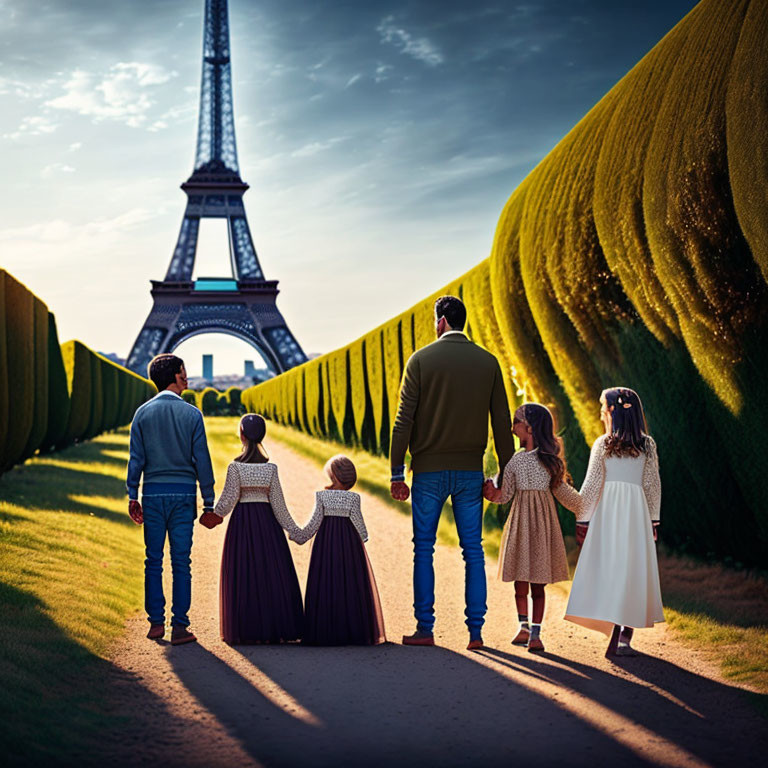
{"points": [[382, 125]]}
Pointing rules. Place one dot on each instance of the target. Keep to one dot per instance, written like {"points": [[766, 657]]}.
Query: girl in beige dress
{"points": [[532, 550]]}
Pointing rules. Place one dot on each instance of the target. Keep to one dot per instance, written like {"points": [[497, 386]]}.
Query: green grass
{"points": [[708, 606], [70, 574]]}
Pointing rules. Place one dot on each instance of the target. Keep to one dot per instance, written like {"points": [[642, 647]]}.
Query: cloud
{"points": [[419, 48], [74, 147], [121, 94], [382, 72], [32, 125], [60, 231], [54, 168], [316, 146], [352, 80]]}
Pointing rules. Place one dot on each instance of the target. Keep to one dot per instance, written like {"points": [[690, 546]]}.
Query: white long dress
{"points": [[617, 576]]}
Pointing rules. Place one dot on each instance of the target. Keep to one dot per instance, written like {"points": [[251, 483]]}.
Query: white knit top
{"points": [[255, 482], [334, 504], [641, 470]]}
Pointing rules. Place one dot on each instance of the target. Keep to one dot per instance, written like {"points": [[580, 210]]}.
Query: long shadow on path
{"points": [[389, 705], [716, 722]]}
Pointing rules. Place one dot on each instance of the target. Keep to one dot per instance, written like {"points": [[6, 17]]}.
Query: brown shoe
{"points": [[156, 632], [181, 635], [522, 637], [535, 645], [475, 645], [419, 637]]}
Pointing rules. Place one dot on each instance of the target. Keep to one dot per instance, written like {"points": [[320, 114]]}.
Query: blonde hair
{"points": [[341, 468]]}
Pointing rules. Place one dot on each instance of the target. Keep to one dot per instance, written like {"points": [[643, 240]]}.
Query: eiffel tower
{"points": [[241, 304]]}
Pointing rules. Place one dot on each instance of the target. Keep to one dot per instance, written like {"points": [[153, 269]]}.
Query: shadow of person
{"points": [[385, 705], [714, 721], [61, 704]]}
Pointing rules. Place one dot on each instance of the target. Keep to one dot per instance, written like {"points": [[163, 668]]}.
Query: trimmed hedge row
{"points": [[635, 253], [52, 396], [214, 403]]}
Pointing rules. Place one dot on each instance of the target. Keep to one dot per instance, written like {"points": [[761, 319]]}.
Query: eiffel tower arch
{"points": [[243, 303]]}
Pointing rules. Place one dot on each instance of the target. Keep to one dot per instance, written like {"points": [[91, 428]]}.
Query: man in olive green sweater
{"points": [[449, 389]]}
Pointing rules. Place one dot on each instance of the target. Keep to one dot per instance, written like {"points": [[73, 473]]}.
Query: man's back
{"points": [[168, 444], [449, 389]]}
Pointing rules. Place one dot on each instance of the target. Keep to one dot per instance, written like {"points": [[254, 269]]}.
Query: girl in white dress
{"points": [[616, 584]]}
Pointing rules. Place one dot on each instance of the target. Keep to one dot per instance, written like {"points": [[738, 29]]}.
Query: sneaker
{"points": [[181, 635], [156, 632], [419, 637], [522, 637]]}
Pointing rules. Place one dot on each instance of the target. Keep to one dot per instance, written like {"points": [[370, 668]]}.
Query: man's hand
{"points": [[491, 492], [209, 518], [400, 491], [136, 512], [581, 532]]}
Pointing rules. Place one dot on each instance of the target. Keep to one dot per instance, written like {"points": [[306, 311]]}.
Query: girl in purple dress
{"points": [[260, 598], [341, 604]]}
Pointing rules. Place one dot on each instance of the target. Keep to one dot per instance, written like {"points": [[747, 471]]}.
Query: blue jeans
{"points": [[174, 516], [430, 490]]}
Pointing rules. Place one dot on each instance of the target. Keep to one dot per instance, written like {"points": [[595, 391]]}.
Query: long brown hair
{"points": [[550, 447], [629, 431], [252, 429]]}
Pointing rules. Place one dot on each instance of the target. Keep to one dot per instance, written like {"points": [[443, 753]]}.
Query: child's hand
{"points": [[581, 532]]}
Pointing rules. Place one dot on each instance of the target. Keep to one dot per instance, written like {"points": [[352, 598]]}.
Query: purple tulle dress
{"points": [[260, 597], [342, 605]]}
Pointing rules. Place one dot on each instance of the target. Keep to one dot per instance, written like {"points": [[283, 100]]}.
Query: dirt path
{"points": [[209, 704]]}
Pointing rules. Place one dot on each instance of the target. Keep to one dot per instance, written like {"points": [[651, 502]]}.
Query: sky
{"points": [[380, 139]]}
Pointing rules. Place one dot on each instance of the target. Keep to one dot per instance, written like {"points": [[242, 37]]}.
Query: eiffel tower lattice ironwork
{"points": [[243, 303]]}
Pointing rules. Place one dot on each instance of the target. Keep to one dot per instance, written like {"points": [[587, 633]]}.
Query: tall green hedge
{"points": [[635, 253], [52, 395], [58, 391], [3, 363], [20, 350]]}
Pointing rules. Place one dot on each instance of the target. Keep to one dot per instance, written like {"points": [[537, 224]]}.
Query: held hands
{"points": [[655, 531], [209, 518], [400, 491], [491, 492], [581, 532], [136, 512]]}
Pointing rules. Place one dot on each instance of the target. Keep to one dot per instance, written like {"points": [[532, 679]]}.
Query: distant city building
{"points": [[250, 369], [208, 367]]}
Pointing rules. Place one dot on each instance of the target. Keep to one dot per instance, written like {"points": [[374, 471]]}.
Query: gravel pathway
{"points": [[209, 704]]}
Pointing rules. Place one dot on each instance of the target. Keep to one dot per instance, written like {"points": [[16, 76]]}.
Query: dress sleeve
{"points": [[652, 480], [311, 528], [231, 493], [356, 516], [279, 509], [569, 497], [509, 482], [592, 487]]}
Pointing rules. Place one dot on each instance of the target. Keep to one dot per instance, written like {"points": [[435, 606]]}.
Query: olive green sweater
{"points": [[449, 388]]}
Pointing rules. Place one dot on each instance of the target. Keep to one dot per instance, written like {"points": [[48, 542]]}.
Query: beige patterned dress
{"points": [[532, 547]]}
